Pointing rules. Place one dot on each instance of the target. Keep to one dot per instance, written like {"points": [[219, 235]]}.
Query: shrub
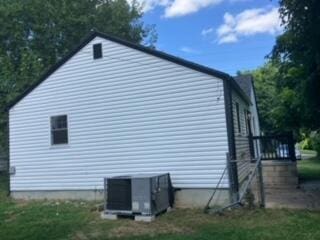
{"points": [[315, 141], [306, 144]]}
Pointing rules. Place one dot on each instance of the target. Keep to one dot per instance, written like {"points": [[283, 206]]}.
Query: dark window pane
{"points": [[238, 117], [97, 51], [59, 137], [246, 120], [62, 122], [54, 123], [59, 122], [59, 130]]}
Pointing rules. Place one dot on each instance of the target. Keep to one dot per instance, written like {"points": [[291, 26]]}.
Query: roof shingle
{"points": [[245, 83]]}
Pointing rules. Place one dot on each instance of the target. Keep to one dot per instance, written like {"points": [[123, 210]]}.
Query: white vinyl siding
{"points": [[128, 112]]}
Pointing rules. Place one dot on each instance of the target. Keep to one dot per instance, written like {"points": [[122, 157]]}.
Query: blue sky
{"points": [[227, 35]]}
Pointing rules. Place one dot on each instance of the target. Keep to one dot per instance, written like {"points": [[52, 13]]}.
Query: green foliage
{"points": [[305, 144], [315, 141], [311, 141], [288, 86], [273, 102], [264, 82], [297, 53], [35, 34], [309, 169]]}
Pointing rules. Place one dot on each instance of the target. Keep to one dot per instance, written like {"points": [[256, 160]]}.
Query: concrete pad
{"points": [[311, 185], [293, 198], [108, 216], [141, 218]]}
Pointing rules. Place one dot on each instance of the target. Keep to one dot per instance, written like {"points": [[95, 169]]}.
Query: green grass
{"points": [[78, 221], [309, 169], [311, 152]]}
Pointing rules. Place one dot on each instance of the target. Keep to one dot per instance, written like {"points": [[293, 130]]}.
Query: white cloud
{"points": [[236, 1], [249, 22], [230, 38], [189, 50], [148, 5], [206, 32], [176, 8]]}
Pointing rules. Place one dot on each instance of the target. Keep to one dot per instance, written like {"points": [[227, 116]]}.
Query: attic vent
{"points": [[97, 51]]}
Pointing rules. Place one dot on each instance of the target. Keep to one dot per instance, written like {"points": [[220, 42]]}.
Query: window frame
{"points": [[246, 118], [238, 117], [253, 125], [66, 128], [97, 51]]}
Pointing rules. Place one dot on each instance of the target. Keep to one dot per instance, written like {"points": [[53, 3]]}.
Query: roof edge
{"points": [[160, 54], [52, 69]]}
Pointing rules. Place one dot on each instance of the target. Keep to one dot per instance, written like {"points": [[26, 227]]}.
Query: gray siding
{"points": [[241, 138], [255, 117], [128, 112]]}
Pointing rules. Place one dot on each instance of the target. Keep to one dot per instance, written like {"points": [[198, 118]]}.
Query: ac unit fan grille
{"points": [[119, 194]]}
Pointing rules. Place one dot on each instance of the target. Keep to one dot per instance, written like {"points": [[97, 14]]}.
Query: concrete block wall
{"points": [[184, 198], [280, 174], [198, 198]]}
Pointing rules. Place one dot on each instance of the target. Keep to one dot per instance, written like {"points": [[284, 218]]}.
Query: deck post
{"points": [[260, 184], [292, 152]]}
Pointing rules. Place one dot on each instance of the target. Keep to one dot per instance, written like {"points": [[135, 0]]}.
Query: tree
{"points": [[278, 106], [297, 52], [266, 93], [35, 34]]}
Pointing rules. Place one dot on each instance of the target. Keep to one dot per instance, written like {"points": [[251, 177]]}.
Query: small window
{"points": [[238, 117], [59, 130], [254, 126], [97, 51], [246, 118]]}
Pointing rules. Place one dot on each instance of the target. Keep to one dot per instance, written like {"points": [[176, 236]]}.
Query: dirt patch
{"points": [[80, 236], [293, 199], [175, 222]]}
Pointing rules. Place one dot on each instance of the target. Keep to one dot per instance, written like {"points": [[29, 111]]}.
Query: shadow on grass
{"points": [[4, 186], [309, 169]]}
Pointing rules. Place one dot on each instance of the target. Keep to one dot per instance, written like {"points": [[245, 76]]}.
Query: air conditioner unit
{"points": [[141, 194]]}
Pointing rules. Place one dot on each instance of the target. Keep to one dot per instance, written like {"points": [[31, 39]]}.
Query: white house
{"points": [[116, 108]]}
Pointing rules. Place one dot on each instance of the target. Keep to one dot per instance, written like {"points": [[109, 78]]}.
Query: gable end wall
{"points": [[128, 112]]}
